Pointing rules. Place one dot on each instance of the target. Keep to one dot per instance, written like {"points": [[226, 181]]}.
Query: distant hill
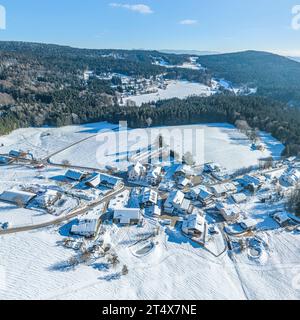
{"points": [[190, 52], [275, 76]]}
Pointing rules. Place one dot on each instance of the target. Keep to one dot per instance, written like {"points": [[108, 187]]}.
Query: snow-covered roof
{"points": [[125, 215], [175, 198], [109, 180], [239, 197], [281, 217], [248, 223], [150, 195], [85, 227], [138, 168], [184, 182], [185, 205], [17, 197], [94, 180], [185, 169], [193, 222], [74, 175]]}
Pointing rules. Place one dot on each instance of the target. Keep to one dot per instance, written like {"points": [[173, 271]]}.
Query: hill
{"points": [[274, 76]]}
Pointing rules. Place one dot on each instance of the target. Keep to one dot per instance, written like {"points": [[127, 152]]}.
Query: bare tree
{"points": [[125, 270]]}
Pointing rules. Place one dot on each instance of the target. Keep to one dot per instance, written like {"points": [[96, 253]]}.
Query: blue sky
{"points": [[216, 25]]}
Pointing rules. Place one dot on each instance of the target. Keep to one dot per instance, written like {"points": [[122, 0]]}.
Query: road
{"points": [[70, 216]]}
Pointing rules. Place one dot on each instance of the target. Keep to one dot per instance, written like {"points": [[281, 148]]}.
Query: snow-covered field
{"points": [[221, 143], [175, 89], [175, 269]]}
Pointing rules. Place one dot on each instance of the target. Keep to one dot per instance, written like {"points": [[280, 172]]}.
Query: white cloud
{"points": [[140, 8], [188, 22]]}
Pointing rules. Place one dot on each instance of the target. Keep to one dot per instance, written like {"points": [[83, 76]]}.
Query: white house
{"points": [[87, 228], [150, 197], [136, 172], [194, 225], [173, 201], [19, 198], [127, 216]]}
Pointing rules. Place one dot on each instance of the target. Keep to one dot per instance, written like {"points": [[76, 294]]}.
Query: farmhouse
{"points": [[19, 198], [75, 175], [194, 225], [87, 228], [127, 216]]}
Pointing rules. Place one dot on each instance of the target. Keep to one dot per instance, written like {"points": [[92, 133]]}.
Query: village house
{"points": [[249, 224], [155, 211], [149, 197], [282, 219], [18, 198], [183, 170], [110, 181], [239, 198], [75, 175], [136, 172], [230, 213], [48, 198], [86, 228], [177, 204], [154, 176], [183, 183], [127, 216], [212, 167], [174, 199], [222, 190], [93, 181], [252, 182], [194, 226]]}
